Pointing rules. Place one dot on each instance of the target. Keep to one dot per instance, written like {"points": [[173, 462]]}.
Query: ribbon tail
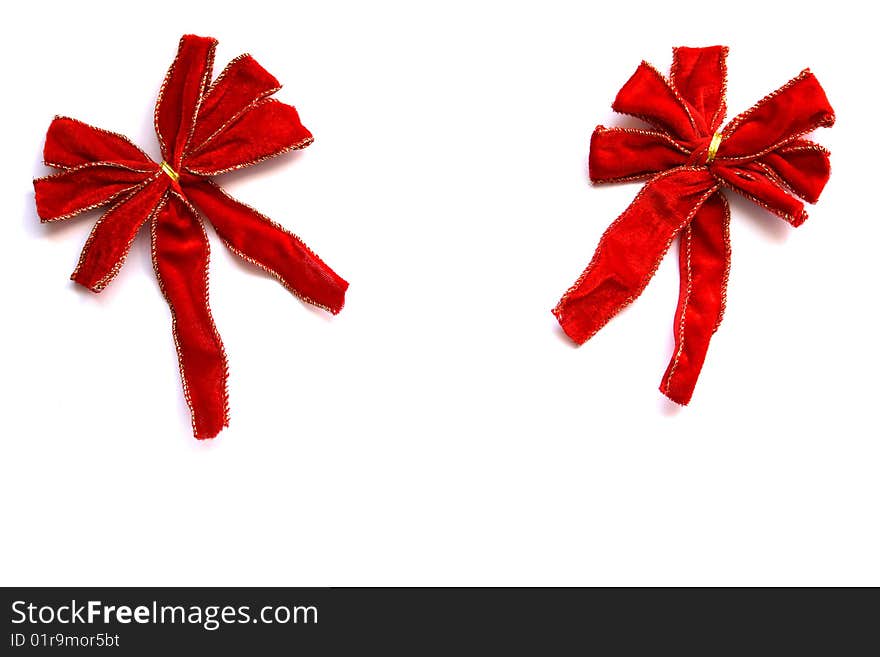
{"points": [[180, 258], [264, 243], [704, 261], [631, 250]]}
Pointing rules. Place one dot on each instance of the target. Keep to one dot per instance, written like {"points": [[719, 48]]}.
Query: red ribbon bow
{"points": [[686, 160], [204, 128]]}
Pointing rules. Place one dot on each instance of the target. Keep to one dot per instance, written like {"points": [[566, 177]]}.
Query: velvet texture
{"points": [[687, 159], [204, 129]]}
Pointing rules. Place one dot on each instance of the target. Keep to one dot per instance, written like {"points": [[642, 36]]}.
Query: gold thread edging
{"points": [[682, 320], [286, 149], [299, 295], [105, 280], [59, 117], [557, 311], [184, 384]]}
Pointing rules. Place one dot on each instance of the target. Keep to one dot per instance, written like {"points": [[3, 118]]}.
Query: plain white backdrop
{"points": [[441, 429]]}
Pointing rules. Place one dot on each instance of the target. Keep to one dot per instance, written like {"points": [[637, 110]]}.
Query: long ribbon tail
{"points": [[704, 261], [264, 243], [180, 258], [631, 249]]}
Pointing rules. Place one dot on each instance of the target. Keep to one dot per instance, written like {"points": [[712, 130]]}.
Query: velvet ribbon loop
{"points": [[686, 159], [203, 129]]}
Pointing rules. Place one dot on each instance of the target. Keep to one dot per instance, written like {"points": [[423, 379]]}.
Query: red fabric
{"points": [[180, 258], [268, 245], [203, 129], [111, 238], [762, 155]]}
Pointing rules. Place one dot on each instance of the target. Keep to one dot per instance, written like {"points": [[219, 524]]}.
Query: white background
{"points": [[441, 429]]}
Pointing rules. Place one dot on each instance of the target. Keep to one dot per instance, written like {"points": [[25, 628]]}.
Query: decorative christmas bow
{"points": [[686, 160], [204, 128]]}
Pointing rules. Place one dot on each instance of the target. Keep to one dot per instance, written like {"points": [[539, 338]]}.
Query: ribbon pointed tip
{"points": [[676, 397]]}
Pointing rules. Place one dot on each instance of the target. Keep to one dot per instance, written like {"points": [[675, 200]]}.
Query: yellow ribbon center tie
{"points": [[713, 147], [169, 171]]}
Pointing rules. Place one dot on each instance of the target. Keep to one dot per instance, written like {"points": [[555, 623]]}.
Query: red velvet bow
{"points": [[686, 160], [204, 128]]}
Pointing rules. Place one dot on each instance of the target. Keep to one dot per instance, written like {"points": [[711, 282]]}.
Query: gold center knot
{"points": [[169, 171], [713, 147]]}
